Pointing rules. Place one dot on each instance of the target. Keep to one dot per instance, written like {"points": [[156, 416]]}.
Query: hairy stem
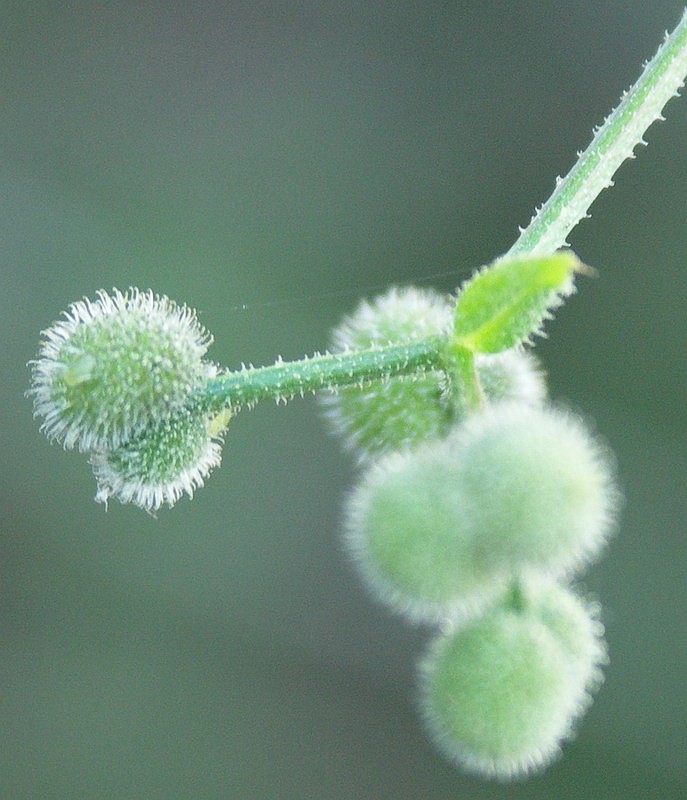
{"points": [[613, 142], [285, 379]]}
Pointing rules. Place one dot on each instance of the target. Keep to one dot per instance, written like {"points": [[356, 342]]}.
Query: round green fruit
{"points": [[500, 693]]}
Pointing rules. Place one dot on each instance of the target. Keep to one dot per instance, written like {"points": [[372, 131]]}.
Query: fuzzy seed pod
{"points": [[399, 411], [511, 376], [500, 693], [408, 531], [574, 622], [162, 463], [402, 411], [114, 366], [539, 489]]}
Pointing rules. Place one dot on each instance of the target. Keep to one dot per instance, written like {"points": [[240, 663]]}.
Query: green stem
{"points": [[285, 379], [462, 376], [614, 142]]}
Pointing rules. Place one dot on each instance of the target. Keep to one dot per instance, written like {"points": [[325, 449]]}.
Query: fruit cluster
{"points": [[476, 521]]}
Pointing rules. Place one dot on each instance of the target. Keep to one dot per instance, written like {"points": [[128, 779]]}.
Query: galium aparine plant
{"points": [[478, 500]]}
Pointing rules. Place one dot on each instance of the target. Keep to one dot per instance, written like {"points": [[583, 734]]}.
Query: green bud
{"points": [[500, 693], [114, 366], [162, 463]]}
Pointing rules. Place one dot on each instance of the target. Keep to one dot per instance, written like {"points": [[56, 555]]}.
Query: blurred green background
{"points": [[267, 163]]}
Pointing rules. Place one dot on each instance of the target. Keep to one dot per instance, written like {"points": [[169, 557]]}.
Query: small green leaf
{"points": [[506, 303]]}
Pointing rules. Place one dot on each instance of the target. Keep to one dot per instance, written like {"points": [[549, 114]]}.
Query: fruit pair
{"points": [[116, 378]]}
